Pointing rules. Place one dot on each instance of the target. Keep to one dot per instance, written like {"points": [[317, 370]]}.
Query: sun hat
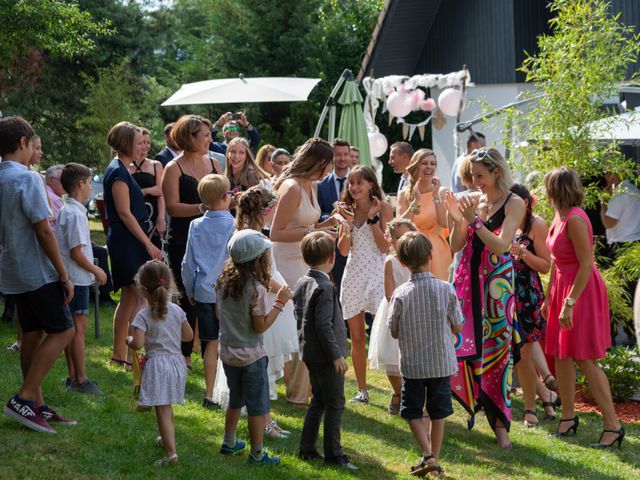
{"points": [[247, 245]]}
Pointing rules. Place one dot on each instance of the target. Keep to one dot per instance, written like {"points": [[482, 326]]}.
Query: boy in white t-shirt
{"points": [[74, 239]]}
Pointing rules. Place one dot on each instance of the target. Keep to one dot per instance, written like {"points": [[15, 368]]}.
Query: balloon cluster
{"points": [[401, 102]]}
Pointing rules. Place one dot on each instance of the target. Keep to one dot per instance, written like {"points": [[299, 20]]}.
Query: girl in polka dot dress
{"points": [[362, 239]]}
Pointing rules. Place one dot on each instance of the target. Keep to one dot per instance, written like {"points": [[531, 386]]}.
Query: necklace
{"points": [[490, 205]]}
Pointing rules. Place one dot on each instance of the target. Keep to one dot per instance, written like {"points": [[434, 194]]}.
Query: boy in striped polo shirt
{"points": [[423, 315]]}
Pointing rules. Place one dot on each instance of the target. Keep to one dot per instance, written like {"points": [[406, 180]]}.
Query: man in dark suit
{"points": [[230, 124], [329, 190], [171, 150], [323, 344]]}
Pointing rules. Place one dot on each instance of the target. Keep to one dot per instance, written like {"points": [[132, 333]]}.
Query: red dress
{"points": [[590, 336]]}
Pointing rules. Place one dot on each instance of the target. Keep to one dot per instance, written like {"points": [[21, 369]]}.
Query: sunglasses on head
{"points": [[479, 155]]}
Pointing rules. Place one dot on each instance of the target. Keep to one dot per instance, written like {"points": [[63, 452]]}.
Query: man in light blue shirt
{"points": [[32, 270]]}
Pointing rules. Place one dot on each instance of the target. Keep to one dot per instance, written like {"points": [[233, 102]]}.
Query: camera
{"points": [[235, 116]]}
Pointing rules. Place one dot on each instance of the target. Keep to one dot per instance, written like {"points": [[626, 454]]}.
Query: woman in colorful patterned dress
{"points": [[577, 307], [483, 228]]}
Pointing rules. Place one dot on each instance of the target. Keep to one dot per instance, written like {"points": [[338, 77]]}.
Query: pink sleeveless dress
{"points": [[590, 336]]}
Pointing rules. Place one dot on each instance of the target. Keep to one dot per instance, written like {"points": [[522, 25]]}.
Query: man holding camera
{"points": [[230, 124]]}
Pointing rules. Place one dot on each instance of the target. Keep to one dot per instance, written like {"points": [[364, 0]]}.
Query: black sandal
{"points": [[531, 424], [618, 439], [574, 427], [127, 365], [423, 468], [550, 382], [555, 404]]}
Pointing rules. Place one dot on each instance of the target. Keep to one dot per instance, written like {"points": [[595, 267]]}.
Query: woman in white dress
{"points": [[384, 353], [363, 240], [297, 214]]}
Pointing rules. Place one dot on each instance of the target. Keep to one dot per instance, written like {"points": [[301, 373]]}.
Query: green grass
{"points": [[113, 441]]}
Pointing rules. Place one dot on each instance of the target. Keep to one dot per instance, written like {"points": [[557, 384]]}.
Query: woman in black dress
{"points": [[192, 134], [148, 175], [127, 238]]}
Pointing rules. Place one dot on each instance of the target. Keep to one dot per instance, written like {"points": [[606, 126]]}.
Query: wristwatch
{"points": [[373, 220], [570, 302], [476, 224]]}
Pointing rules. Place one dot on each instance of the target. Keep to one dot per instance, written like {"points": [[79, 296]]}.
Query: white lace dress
{"points": [[384, 353], [362, 286]]}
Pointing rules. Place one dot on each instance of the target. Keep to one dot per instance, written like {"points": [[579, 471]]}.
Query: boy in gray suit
{"points": [[323, 344]]}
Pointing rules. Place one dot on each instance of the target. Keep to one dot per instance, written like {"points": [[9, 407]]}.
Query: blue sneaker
{"points": [[264, 460], [237, 448]]}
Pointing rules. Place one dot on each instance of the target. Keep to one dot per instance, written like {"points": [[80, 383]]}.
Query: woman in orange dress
{"points": [[422, 204]]}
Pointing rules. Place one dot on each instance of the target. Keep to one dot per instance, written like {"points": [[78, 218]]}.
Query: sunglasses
{"points": [[232, 129], [479, 155]]}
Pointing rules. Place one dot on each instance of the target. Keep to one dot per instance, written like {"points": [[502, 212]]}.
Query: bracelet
{"points": [[202, 209], [279, 301], [64, 282], [374, 220], [308, 230], [437, 200], [476, 224], [276, 308]]}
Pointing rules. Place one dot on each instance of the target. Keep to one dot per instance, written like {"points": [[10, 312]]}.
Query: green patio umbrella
{"points": [[352, 127]]}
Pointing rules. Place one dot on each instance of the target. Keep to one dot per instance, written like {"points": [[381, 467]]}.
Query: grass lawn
{"points": [[113, 441]]}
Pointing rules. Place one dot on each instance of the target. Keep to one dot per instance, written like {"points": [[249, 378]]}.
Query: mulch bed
{"points": [[628, 412]]}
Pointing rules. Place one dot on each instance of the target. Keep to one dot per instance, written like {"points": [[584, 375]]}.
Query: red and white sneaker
{"points": [[24, 411], [50, 415]]}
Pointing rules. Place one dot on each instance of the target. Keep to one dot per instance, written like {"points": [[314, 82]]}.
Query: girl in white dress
{"points": [[383, 348], [161, 327], [280, 341], [363, 240]]}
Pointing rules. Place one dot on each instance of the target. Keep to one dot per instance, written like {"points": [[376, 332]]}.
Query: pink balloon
{"points": [[449, 101], [415, 97], [398, 105]]}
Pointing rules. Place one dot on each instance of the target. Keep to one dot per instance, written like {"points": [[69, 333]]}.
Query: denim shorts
{"points": [[44, 309], [79, 304], [208, 323], [435, 391], [249, 386]]}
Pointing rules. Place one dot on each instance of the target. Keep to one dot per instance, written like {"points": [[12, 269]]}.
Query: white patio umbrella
{"points": [[243, 90]]}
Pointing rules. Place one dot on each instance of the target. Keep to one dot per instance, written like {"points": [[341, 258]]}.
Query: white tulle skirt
{"points": [[384, 353]]}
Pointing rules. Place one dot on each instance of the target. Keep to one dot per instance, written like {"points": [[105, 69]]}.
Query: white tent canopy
{"points": [[624, 128], [243, 90]]}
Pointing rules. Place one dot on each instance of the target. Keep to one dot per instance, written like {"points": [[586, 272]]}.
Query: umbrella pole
{"points": [[331, 104]]}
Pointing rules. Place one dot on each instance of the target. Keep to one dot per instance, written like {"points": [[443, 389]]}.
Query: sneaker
{"points": [[361, 397], [209, 404], [165, 461], [68, 382], [342, 462], [265, 459], [88, 386], [50, 415], [24, 411], [237, 448], [14, 347]]}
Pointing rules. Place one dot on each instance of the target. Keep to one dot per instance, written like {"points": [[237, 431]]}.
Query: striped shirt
{"points": [[422, 312]]}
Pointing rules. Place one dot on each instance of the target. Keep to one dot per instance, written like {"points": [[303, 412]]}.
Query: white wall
{"points": [[497, 95]]}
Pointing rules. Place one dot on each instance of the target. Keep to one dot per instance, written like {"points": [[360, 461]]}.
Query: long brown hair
{"points": [[251, 206], [365, 172], [249, 164], [311, 157], [235, 276], [414, 169], [155, 282]]}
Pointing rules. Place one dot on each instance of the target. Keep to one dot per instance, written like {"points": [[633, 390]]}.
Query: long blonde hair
{"points": [[264, 155], [249, 164], [414, 169], [311, 157]]}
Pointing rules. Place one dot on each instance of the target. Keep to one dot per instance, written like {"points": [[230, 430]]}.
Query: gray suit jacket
{"points": [[323, 335]]}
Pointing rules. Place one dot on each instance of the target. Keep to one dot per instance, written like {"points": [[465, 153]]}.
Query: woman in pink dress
{"points": [[576, 307]]}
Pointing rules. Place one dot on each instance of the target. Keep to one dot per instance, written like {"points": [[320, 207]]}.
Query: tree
{"points": [[582, 62]]}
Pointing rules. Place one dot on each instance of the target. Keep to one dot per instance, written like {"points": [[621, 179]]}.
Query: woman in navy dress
{"points": [[127, 237]]}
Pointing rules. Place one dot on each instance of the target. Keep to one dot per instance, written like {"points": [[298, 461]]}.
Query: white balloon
{"points": [[377, 144], [449, 101], [399, 105]]}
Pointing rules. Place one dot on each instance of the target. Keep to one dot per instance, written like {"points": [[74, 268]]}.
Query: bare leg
{"points": [[231, 420], [77, 349], [256, 429], [437, 437], [125, 310], [358, 349], [528, 377], [36, 359], [421, 434], [396, 383], [566, 373], [599, 386], [210, 363], [502, 436], [540, 360], [69, 359], [164, 414]]}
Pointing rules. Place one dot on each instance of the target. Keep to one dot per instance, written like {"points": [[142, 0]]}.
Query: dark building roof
{"points": [[440, 36]]}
